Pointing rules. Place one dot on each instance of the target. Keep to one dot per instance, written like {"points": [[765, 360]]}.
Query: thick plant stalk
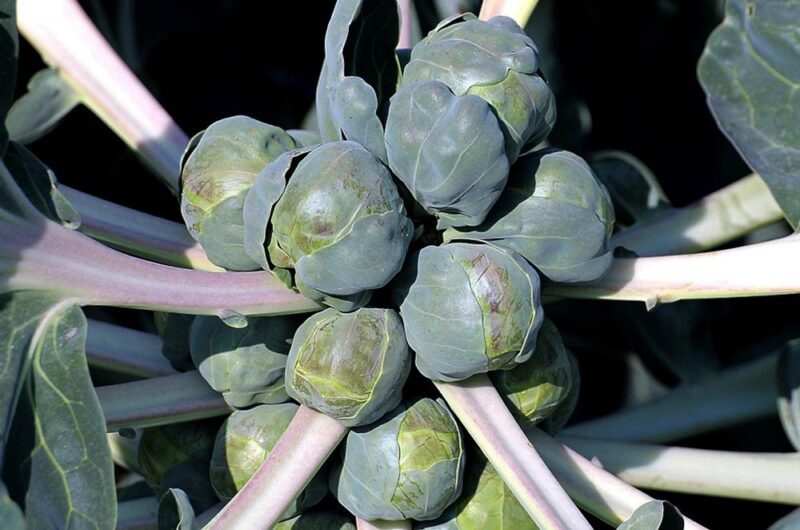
{"points": [[138, 233], [766, 477], [47, 256], [762, 269], [126, 351], [727, 214], [406, 16], [361, 524], [138, 514], [67, 39], [591, 487], [302, 449], [481, 410], [737, 395], [159, 401], [519, 10]]}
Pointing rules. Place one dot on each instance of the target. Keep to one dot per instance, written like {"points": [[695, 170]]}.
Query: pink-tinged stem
{"points": [[44, 255], [518, 10], [595, 490], [159, 401], [763, 269], [304, 447], [406, 15], [361, 524], [126, 351], [138, 233], [67, 39], [482, 412]]}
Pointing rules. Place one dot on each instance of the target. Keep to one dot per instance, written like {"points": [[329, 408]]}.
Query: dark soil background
{"points": [[624, 76]]}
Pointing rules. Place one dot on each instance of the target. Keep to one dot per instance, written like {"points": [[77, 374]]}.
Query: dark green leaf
{"points": [[654, 515], [71, 472], [9, 48], [750, 73], [788, 374], [360, 71], [11, 516], [634, 190], [175, 512], [21, 319], [48, 100], [39, 185], [173, 328]]}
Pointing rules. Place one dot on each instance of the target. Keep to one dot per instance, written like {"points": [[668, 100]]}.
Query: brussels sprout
{"points": [[177, 456], [554, 213], [536, 388], [409, 465], [173, 328], [340, 222], [563, 412], [215, 177], [496, 61], [246, 365], [317, 521], [469, 309], [244, 441], [349, 366], [448, 151], [486, 503]]}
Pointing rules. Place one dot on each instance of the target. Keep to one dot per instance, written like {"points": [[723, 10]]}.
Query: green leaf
{"points": [[634, 189], [175, 512], [654, 515], [39, 185], [360, 71], [48, 100], [9, 49], [71, 481], [788, 374], [752, 82], [11, 516], [21, 317]]}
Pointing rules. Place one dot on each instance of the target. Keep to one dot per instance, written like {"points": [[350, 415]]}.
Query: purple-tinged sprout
{"points": [[349, 366], [218, 169], [409, 465], [469, 309]]}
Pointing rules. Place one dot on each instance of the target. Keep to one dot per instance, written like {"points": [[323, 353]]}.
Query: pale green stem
{"points": [[519, 10], [139, 514], [138, 233], [727, 214], [301, 451], [67, 39], [594, 489], [361, 524], [767, 477], [125, 450], [126, 351], [763, 269], [481, 410], [737, 395], [159, 401]]}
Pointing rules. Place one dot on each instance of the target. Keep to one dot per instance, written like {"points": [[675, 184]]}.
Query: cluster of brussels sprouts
{"points": [[438, 192]]}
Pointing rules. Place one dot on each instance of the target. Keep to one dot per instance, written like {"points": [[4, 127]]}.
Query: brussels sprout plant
{"points": [[405, 273]]}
